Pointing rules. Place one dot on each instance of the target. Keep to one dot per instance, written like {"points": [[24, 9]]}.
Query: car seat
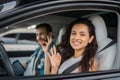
{"points": [[107, 56], [61, 33]]}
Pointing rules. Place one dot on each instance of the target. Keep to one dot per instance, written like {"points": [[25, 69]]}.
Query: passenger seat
{"points": [[61, 33]]}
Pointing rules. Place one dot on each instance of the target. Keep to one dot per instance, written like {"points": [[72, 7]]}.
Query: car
{"points": [[18, 38], [59, 13]]}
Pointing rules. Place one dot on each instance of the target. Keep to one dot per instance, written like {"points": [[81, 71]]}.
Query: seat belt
{"points": [[71, 68], [108, 45], [75, 65]]}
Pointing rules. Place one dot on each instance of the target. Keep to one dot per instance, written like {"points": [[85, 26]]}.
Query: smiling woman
{"points": [[59, 13], [78, 45]]}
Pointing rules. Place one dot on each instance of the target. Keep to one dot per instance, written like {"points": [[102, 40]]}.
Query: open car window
{"points": [[24, 44], [61, 20]]}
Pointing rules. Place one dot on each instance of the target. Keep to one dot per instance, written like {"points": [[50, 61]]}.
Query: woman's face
{"points": [[79, 37]]}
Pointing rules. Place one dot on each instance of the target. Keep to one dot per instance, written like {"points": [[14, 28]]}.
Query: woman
{"points": [[78, 44]]}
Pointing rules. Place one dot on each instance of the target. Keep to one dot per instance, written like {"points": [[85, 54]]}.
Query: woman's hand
{"points": [[55, 58], [46, 49]]}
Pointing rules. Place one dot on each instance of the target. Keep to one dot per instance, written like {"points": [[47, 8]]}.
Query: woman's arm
{"points": [[47, 64], [52, 58], [46, 49], [54, 70], [55, 60]]}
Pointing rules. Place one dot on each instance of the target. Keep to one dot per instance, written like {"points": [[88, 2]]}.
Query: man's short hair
{"points": [[46, 26]]}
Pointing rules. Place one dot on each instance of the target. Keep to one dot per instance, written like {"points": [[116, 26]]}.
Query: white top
{"points": [[68, 63], [30, 69]]}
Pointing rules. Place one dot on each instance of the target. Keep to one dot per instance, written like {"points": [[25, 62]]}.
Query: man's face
{"points": [[41, 36]]}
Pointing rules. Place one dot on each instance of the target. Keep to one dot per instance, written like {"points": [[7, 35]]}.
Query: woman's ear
{"points": [[91, 38]]}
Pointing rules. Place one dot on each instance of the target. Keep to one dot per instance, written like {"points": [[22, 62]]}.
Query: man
{"points": [[35, 65]]}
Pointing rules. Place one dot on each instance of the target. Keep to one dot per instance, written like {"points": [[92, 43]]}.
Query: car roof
{"points": [[19, 30], [15, 3]]}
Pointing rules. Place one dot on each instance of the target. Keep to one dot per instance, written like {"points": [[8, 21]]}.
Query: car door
{"points": [[9, 38], [42, 12]]}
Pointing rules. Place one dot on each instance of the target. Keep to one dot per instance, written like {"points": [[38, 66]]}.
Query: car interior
{"points": [[106, 32]]}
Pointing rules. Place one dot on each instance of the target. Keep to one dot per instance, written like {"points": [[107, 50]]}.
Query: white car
{"points": [[18, 38]]}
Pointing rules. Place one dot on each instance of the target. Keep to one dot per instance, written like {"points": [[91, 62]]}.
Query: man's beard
{"points": [[42, 42]]}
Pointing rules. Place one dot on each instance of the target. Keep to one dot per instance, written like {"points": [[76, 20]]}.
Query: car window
{"points": [[10, 36], [62, 20], [108, 59], [27, 36]]}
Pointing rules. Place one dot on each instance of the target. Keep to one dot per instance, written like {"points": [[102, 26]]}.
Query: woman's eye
{"points": [[73, 33], [82, 34]]}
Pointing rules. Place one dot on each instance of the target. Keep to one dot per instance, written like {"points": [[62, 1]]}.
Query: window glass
{"points": [[27, 36], [10, 36]]}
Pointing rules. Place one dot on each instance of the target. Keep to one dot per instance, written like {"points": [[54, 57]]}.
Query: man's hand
{"points": [[46, 47]]}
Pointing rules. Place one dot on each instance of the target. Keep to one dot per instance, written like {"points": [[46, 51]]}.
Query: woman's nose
{"points": [[77, 37]]}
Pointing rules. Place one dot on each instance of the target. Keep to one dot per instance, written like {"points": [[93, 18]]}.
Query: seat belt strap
{"points": [[108, 45], [75, 65], [71, 68]]}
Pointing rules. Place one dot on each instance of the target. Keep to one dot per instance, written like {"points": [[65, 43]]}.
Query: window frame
{"points": [[59, 6]]}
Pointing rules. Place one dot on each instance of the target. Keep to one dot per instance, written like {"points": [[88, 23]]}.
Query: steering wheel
{"points": [[6, 61]]}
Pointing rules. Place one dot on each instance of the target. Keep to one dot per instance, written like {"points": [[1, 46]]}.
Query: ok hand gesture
{"points": [[55, 58]]}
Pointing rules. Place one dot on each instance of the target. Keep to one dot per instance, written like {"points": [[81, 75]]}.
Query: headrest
{"points": [[61, 33], [100, 27]]}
